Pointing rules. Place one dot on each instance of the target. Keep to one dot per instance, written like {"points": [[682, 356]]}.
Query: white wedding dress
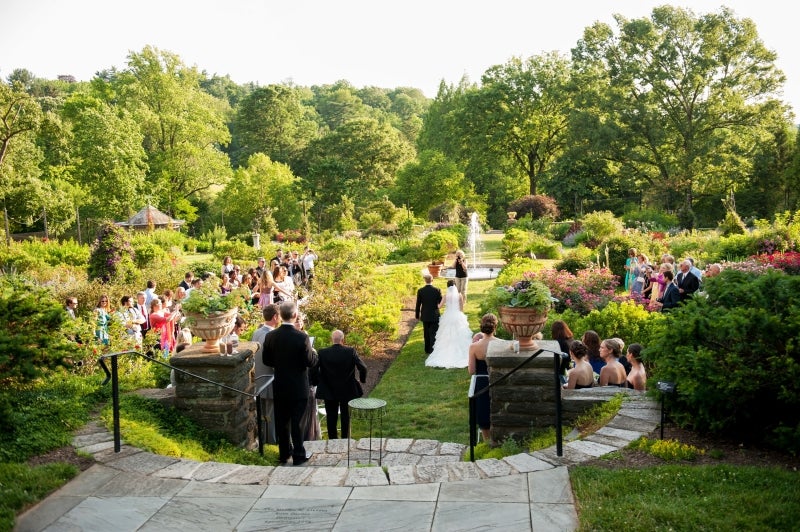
{"points": [[451, 348]]}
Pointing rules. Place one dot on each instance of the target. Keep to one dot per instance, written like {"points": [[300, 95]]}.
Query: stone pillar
{"points": [[211, 406]]}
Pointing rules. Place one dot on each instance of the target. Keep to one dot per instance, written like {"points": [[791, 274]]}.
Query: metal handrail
{"points": [[113, 376], [472, 395]]}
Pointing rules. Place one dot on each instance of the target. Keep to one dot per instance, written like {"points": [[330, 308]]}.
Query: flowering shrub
{"points": [[112, 255], [788, 262], [583, 292]]}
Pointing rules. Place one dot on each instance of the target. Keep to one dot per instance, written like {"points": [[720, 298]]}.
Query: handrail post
{"points": [[115, 402], [557, 396], [260, 426]]}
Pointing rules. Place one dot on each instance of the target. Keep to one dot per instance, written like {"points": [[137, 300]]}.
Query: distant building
{"points": [[149, 217]]}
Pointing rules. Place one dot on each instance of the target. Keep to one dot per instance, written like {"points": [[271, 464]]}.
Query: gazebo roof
{"points": [[149, 215]]}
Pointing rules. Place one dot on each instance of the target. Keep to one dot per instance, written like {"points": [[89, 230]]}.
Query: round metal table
{"points": [[368, 408]]}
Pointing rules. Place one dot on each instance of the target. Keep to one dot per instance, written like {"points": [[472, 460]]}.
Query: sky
{"points": [[411, 43]]}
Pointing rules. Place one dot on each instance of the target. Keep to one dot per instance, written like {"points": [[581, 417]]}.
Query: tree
{"points": [[262, 193], [108, 158], [521, 113], [183, 126], [20, 116], [359, 160], [676, 101], [274, 121], [429, 181]]}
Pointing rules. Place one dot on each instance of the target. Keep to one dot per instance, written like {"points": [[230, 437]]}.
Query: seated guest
{"points": [[621, 357], [638, 376], [592, 342], [613, 373], [582, 375]]}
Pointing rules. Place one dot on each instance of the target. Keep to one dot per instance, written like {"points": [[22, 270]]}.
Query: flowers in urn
{"points": [[208, 299], [533, 295]]}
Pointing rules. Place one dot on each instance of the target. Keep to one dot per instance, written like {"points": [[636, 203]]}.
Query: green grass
{"points": [[688, 498], [22, 485]]}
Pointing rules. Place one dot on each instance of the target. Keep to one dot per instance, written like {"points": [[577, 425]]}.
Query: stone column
{"points": [[211, 406]]}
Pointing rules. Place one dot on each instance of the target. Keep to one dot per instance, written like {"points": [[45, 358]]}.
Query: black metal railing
{"points": [[472, 394], [113, 376]]}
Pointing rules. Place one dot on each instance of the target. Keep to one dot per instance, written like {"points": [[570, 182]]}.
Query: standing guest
{"points": [[335, 375], [582, 375], [613, 373], [686, 281], [289, 351], [283, 288], [166, 299], [144, 310], [712, 270], [669, 259], [266, 285], [278, 258], [272, 319], [697, 272], [296, 268], [639, 272], [637, 378], [308, 259], [630, 262], [187, 280], [150, 292], [162, 322], [262, 265], [477, 366], [671, 296], [130, 318], [102, 318], [197, 282], [592, 342], [70, 305], [180, 295], [427, 309], [461, 273], [227, 266]]}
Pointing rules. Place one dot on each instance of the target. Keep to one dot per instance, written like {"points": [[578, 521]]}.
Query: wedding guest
{"points": [[70, 305], [150, 292], [477, 366], [187, 280], [592, 342], [335, 375], [621, 357], [687, 282], [102, 319], [561, 332], [582, 375], [162, 321], [637, 378], [630, 262], [671, 296], [613, 373], [227, 266]]}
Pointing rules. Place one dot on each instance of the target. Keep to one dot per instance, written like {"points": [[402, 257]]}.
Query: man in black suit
{"points": [[427, 310], [289, 351], [335, 376], [687, 282]]}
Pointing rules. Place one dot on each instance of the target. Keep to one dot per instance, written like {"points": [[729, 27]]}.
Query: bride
{"points": [[451, 348]]}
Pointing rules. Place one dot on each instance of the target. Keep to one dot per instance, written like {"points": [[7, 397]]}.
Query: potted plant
{"points": [[522, 307], [436, 245], [211, 314]]}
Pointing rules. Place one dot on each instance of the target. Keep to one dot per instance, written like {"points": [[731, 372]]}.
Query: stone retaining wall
{"points": [[211, 406], [527, 399]]}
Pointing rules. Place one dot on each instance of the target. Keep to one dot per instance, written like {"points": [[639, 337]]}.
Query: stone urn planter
{"points": [[212, 327], [434, 268], [523, 323]]}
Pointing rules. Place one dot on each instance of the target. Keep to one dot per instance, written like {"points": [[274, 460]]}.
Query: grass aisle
{"points": [[423, 402]]}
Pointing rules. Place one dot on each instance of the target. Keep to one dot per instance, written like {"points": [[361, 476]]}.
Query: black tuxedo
{"points": [[289, 351], [688, 282], [427, 310], [335, 376]]}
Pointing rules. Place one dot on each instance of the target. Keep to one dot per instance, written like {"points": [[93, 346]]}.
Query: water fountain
{"points": [[474, 270]]}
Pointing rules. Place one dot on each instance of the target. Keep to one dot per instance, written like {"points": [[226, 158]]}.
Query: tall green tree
{"points": [[261, 197], [273, 120], [20, 116], [430, 181], [359, 159], [677, 101], [108, 159], [183, 126], [521, 113]]}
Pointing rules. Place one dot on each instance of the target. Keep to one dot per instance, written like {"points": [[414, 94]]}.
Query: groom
{"points": [[427, 310]]}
